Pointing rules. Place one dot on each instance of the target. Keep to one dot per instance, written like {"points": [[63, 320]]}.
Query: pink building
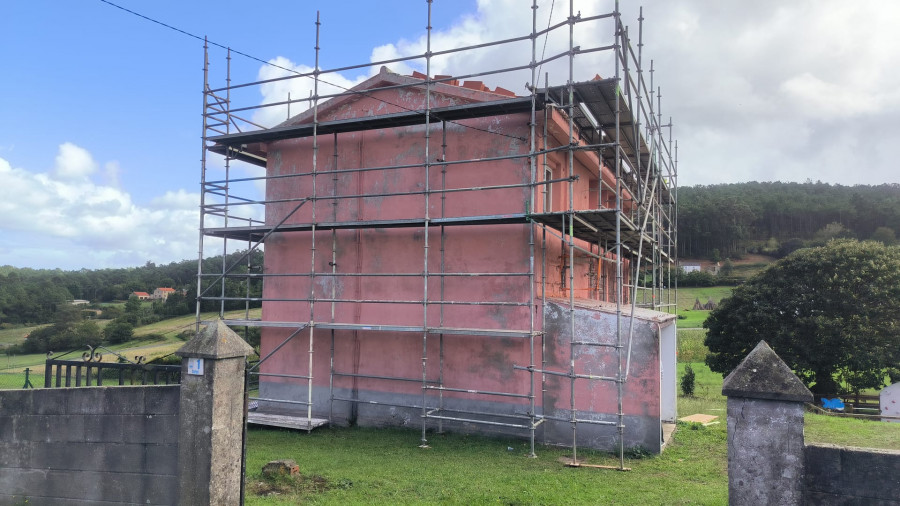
{"points": [[457, 271]]}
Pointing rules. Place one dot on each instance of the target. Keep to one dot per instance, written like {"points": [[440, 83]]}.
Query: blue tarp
{"points": [[835, 404]]}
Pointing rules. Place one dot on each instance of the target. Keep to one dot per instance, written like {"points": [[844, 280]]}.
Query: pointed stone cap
{"points": [[216, 341], [763, 375]]}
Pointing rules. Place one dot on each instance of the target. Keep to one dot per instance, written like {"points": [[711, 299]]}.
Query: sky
{"points": [[100, 109]]}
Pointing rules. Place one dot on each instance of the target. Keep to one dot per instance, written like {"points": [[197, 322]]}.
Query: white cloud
{"points": [[82, 223], [74, 162], [297, 88], [111, 171], [765, 90]]}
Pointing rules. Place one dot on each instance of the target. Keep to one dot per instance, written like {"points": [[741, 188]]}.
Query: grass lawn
{"points": [[851, 432], [385, 466], [692, 319]]}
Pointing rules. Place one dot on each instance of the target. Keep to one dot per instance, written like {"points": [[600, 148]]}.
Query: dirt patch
{"points": [[292, 485]]}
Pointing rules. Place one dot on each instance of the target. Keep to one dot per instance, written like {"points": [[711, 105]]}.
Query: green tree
{"points": [[118, 331], [833, 230], [727, 268], [133, 305], [885, 236], [830, 312], [86, 333]]}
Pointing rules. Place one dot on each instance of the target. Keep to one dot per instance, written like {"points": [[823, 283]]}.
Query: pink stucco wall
{"points": [[469, 362]]}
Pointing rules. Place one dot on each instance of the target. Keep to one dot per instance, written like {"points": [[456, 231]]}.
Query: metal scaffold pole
{"points": [[312, 256], [532, 162], [203, 135], [620, 425], [427, 166], [226, 186], [570, 225]]}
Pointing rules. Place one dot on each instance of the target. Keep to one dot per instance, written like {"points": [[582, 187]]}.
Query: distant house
{"points": [[162, 293], [141, 295], [79, 302], [691, 268]]}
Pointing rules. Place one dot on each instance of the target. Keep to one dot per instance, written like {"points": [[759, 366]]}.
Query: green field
{"points": [[149, 349], [746, 270], [687, 297], [15, 335]]}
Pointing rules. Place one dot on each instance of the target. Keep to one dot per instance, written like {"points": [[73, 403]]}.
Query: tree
{"points": [[133, 305], [727, 268], [885, 236], [118, 331], [830, 312], [86, 333]]}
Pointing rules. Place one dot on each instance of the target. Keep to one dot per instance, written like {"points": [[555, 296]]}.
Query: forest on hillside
{"points": [[730, 220], [33, 296]]}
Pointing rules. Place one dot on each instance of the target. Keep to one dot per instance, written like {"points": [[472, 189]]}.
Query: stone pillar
{"points": [[211, 416], [765, 430]]}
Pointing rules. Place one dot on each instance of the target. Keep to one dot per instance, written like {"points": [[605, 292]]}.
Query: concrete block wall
{"points": [[843, 475], [89, 445]]}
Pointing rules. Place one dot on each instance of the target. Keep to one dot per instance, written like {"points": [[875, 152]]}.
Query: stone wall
{"points": [[87, 445], [768, 461], [843, 475], [132, 445]]}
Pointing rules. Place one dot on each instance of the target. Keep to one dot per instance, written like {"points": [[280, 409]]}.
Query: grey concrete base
{"points": [[393, 410]]}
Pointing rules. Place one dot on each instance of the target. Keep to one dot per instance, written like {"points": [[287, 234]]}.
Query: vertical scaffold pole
{"points": [[532, 160], [620, 426], [334, 219], [443, 266], [227, 182], [424, 442], [312, 256], [202, 182], [570, 154]]}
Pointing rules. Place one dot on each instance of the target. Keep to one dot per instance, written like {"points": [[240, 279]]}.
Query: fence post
{"points": [[765, 430], [27, 379], [211, 416]]}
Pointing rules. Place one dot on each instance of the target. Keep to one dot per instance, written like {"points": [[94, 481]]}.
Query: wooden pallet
{"points": [[286, 421]]}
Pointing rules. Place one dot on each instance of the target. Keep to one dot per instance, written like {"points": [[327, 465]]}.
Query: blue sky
{"points": [[100, 109]]}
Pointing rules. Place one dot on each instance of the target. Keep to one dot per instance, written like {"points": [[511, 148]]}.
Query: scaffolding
{"points": [[628, 230]]}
